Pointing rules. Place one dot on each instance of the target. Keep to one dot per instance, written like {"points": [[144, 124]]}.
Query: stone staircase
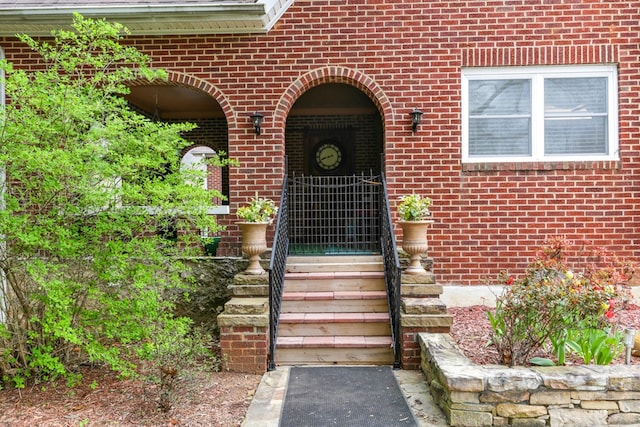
{"points": [[334, 311]]}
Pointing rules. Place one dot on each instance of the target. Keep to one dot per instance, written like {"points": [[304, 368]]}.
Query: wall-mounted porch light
{"points": [[416, 116], [256, 118]]}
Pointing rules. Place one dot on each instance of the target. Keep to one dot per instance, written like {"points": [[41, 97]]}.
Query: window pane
{"points": [[575, 96], [583, 135], [499, 137], [500, 117], [499, 97], [575, 116]]}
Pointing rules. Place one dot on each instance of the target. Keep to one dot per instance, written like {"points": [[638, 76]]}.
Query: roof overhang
{"points": [[222, 17]]}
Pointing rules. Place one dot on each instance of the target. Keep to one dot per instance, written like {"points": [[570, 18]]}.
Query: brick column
{"points": [[421, 311], [244, 325]]}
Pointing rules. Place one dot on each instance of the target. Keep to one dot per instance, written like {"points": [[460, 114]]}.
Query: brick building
{"points": [[530, 124]]}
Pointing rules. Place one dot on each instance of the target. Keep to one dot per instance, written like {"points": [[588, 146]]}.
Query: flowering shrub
{"points": [[551, 299]]}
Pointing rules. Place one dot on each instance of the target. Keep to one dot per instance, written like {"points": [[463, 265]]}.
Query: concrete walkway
{"points": [[266, 405]]}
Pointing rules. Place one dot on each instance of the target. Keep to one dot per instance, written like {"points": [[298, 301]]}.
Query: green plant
{"points": [[599, 346], [86, 280], [551, 299], [414, 208], [559, 345], [173, 352], [258, 210]]}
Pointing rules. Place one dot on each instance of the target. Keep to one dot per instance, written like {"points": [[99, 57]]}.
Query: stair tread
{"points": [[317, 275], [338, 341], [333, 295], [346, 317], [335, 356], [334, 259]]}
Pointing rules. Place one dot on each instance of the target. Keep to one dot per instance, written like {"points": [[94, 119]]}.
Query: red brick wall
{"points": [[244, 348], [411, 352], [406, 54]]}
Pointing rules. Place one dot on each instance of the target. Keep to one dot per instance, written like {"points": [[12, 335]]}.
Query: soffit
{"points": [[174, 102], [160, 17]]}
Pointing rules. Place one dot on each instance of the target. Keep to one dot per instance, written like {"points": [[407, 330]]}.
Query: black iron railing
{"points": [[392, 272], [277, 269], [332, 215]]}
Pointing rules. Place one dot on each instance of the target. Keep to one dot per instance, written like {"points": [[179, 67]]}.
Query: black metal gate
{"points": [[333, 215]]}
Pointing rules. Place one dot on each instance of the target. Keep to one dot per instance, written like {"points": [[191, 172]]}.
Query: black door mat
{"points": [[345, 397]]}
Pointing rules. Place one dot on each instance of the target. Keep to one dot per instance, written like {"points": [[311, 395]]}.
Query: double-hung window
{"points": [[553, 113]]}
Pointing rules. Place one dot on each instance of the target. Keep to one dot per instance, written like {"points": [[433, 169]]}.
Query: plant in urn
{"points": [[255, 217], [415, 219]]}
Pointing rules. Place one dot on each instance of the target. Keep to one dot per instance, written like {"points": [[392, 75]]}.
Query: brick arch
{"points": [[332, 75], [183, 79]]}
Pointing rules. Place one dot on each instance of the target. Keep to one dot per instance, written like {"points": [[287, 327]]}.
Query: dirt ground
{"points": [[198, 398]]}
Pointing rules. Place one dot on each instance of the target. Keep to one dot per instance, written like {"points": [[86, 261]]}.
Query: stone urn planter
{"points": [[256, 217], [415, 219], [414, 242], [254, 243]]}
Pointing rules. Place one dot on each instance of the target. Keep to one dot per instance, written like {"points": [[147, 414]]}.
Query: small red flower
{"points": [[510, 280], [609, 312]]}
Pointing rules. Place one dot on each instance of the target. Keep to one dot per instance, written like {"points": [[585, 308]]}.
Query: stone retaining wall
{"points": [[495, 395], [213, 280]]}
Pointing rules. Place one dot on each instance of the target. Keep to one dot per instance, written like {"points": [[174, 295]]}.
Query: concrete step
{"points": [[332, 259], [332, 324], [332, 264], [334, 350], [335, 301], [335, 281]]}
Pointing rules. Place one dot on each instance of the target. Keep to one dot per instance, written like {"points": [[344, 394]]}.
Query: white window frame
{"points": [[537, 74], [203, 152]]}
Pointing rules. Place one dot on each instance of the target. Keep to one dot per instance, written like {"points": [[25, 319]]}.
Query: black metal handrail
{"points": [[277, 269], [392, 271]]}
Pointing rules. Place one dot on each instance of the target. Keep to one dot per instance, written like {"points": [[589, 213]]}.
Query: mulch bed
{"points": [[472, 332], [198, 398]]}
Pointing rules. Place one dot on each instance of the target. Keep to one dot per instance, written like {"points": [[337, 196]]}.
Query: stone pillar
{"points": [[244, 325], [421, 311]]}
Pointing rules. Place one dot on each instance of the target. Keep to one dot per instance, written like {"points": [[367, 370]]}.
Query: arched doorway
{"points": [[334, 129], [334, 143]]}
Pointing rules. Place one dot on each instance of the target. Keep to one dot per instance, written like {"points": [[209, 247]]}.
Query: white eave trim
{"points": [[159, 19]]}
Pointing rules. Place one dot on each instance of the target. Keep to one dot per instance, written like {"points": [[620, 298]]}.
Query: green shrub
{"points": [[85, 276]]}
